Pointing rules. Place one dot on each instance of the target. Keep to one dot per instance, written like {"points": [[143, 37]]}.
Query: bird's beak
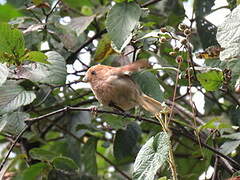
{"points": [[85, 79]]}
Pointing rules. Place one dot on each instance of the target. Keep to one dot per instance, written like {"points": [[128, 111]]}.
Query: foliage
{"points": [[46, 111]]}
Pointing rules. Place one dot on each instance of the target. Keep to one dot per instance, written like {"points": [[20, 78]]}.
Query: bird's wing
{"points": [[134, 67]]}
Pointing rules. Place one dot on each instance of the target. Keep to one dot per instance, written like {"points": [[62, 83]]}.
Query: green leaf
{"points": [[89, 156], [121, 20], [3, 73], [13, 123], [13, 96], [86, 10], [125, 141], [114, 121], [54, 73], [206, 30], [151, 157], [8, 12], [211, 80], [12, 44], [42, 154], [215, 123], [35, 56], [228, 35], [35, 171], [149, 84], [64, 163], [232, 136], [228, 147], [80, 24]]}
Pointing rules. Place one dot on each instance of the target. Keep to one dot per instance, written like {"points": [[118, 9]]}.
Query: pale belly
{"points": [[122, 92]]}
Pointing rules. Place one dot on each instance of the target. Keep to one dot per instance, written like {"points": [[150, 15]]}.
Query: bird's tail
{"points": [[150, 104]]}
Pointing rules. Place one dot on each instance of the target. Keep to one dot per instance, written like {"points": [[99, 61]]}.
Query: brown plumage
{"points": [[113, 86]]}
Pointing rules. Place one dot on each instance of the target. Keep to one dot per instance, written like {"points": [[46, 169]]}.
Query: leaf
{"points": [[35, 171], [3, 73], [80, 24], [12, 43], [13, 96], [232, 136], [35, 56], [121, 20], [42, 154], [89, 156], [228, 35], [104, 49], [151, 157], [8, 12], [64, 163], [54, 73], [228, 147], [149, 84], [206, 30], [125, 141], [211, 80], [215, 123], [13, 123], [115, 122]]}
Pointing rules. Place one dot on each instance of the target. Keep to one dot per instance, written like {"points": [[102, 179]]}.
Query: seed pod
{"points": [[182, 26], [172, 53], [163, 30], [187, 32], [163, 39], [184, 41], [179, 59], [176, 49]]}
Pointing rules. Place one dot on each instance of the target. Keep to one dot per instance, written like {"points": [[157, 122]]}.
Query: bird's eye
{"points": [[93, 73]]}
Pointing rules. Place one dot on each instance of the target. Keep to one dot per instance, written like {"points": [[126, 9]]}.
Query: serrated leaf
{"points": [[149, 84], [125, 141], [228, 35], [54, 73], [13, 123], [13, 96], [42, 154], [80, 24], [121, 20], [3, 73], [12, 43], [64, 163], [151, 157], [104, 49], [211, 80], [35, 56]]}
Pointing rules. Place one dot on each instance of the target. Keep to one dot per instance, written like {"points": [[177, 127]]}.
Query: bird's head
{"points": [[96, 72]]}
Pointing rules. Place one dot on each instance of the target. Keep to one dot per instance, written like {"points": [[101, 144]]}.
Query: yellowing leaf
{"points": [[104, 49]]}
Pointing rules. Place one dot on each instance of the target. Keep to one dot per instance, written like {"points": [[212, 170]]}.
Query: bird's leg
{"points": [[94, 110]]}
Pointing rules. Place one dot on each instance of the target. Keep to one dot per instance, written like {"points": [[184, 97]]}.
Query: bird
{"points": [[114, 87]]}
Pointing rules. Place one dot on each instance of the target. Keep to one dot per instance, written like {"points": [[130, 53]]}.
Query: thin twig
{"points": [[112, 164], [50, 13], [151, 2], [13, 145], [74, 55]]}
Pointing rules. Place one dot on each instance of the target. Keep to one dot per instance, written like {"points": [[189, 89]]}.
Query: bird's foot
{"points": [[94, 110]]}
